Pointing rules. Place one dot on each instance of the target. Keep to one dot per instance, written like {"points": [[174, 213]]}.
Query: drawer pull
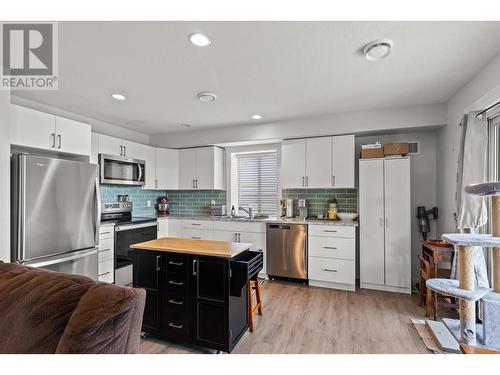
{"points": [[176, 263], [105, 233], [329, 247], [105, 273], [196, 238], [173, 282], [329, 270], [176, 302], [330, 231], [195, 224], [177, 326]]}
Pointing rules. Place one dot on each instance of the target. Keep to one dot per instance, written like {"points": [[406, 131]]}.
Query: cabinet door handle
{"points": [[387, 222], [329, 270], [53, 140], [175, 325], [173, 282], [193, 184], [59, 139], [239, 237], [333, 180], [158, 263], [121, 150], [176, 302], [196, 184], [176, 263], [194, 267], [156, 184], [307, 181], [124, 151], [303, 181], [329, 247]]}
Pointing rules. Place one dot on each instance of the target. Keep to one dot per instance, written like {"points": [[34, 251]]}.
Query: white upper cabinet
{"points": [[72, 136], [187, 168], [343, 163], [148, 154], [44, 131], [318, 156], [110, 145], [201, 168], [324, 162], [293, 163], [167, 168]]}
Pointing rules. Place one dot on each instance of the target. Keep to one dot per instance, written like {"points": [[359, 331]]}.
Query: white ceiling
{"points": [[281, 70]]}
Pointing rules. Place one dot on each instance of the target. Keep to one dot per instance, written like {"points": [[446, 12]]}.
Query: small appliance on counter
{"points": [[218, 210], [302, 205], [163, 206], [331, 213], [286, 207]]}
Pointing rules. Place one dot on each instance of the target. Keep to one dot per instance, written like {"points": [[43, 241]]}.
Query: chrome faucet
{"points": [[248, 211]]}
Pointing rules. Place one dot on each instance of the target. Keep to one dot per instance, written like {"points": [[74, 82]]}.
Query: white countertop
{"points": [[268, 220]]}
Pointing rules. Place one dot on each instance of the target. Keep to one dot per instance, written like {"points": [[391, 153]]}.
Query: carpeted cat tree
{"points": [[486, 334]]}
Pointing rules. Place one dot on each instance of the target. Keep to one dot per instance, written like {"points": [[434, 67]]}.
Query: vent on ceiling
{"points": [[414, 147]]}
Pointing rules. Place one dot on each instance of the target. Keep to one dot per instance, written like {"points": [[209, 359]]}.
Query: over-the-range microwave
{"points": [[120, 170]]}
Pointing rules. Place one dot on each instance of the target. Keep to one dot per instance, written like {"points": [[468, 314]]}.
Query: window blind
{"points": [[257, 179]]}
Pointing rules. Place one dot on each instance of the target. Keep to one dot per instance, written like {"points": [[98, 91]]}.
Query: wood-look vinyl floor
{"points": [[303, 319]]}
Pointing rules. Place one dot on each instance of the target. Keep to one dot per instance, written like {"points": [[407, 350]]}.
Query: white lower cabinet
{"points": [[332, 257], [105, 255]]}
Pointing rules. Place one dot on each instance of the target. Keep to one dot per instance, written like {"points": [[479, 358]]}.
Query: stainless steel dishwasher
{"points": [[286, 248]]}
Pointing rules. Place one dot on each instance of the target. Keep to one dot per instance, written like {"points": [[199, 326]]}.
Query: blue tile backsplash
{"points": [[318, 199], [137, 196]]}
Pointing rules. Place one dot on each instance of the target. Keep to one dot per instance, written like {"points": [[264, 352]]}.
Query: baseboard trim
{"points": [[385, 288], [325, 284]]}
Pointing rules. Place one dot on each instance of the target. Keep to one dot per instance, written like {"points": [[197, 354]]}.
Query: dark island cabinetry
{"points": [[201, 300]]}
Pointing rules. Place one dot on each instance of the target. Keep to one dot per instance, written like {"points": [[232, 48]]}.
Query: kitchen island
{"points": [[196, 290]]}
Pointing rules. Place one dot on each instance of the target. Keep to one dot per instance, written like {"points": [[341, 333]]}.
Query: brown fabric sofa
{"points": [[49, 312]]}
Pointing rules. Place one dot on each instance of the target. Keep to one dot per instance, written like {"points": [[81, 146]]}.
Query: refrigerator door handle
{"points": [[21, 216], [57, 260], [97, 211]]}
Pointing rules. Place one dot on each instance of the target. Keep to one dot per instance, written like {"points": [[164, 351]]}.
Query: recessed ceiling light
{"points": [[118, 97], [186, 125], [207, 96], [256, 117], [378, 49], [199, 40]]}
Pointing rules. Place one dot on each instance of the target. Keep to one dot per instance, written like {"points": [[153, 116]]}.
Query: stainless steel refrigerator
{"points": [[55, 214]]}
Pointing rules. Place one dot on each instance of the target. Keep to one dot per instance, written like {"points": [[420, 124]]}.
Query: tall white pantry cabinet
{"points": [[385, 224]]}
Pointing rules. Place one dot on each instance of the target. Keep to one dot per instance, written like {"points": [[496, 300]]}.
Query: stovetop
{"points": [[128, 220]]}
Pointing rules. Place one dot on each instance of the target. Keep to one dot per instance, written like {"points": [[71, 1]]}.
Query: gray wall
{"points": [[480, 92], [4, 176], [423, 181]]}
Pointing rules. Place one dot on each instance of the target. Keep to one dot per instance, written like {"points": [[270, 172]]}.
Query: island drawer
{"points": [[177, 263], [176, 301], [176, 327], [176, 283]]}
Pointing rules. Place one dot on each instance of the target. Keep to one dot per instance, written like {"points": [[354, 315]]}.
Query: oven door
{"points": [[129, 234], [118, 170]]}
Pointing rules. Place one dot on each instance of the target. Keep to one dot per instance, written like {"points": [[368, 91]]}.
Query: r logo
{"points": [[27, 49]]}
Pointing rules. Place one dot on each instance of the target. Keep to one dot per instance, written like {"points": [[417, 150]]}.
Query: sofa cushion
{"points": [[108, 319], [35, 307]]}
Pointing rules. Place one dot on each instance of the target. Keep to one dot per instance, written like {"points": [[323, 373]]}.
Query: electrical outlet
{"points": [[148, 203]]}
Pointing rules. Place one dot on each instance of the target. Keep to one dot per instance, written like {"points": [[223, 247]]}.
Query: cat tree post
{"points": [[467, 282]]}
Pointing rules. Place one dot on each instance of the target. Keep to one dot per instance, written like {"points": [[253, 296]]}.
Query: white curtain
{"points": [[472, 169]]}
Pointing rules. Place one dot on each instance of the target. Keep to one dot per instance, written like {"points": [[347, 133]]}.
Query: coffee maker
{"points": [[163, 206], [286, 207]]}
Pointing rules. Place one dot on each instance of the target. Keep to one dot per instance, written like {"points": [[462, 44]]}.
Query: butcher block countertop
{"points": [[222, 249]]}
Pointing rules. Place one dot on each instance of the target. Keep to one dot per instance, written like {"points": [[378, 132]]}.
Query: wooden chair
{"points": [[467, 349], [254, 285], [426, 295]]}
